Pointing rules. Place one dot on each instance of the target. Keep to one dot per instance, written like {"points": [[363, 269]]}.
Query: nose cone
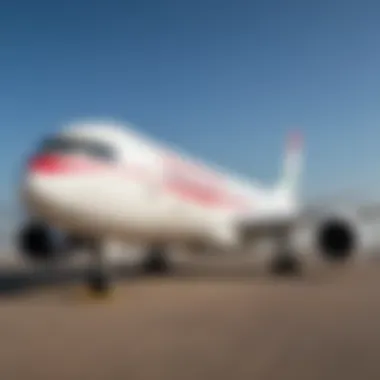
{"points": [[40, 188], [60, 189], [38, 193]]}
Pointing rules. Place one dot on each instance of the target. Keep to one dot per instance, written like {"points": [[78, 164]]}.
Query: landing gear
{"points": [[99, 279], [99, 283], [285, 264], [156, 262]]}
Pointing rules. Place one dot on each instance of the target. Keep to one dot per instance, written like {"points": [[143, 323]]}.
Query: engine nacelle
{"points": [[336, 239], [334, 235], [39, 243]]}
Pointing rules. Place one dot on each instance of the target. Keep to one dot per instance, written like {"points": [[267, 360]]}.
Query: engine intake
{"points": [[40, 243], [336, 240], [36, 241]]}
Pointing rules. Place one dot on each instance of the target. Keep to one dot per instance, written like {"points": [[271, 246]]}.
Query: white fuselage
{"points": [[108, 182]]}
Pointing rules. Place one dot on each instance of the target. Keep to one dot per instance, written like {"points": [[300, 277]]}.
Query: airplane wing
{"points": [[330, 228], [253, 227]]}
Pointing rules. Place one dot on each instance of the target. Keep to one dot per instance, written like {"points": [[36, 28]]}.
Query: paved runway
{"points": [[197, 325]]}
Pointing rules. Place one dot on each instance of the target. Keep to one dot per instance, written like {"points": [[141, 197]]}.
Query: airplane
{"points": [[98, 181]]}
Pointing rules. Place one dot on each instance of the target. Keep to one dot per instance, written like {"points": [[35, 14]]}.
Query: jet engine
{"points": [[339, 234], [41, 243], [336, 239]]}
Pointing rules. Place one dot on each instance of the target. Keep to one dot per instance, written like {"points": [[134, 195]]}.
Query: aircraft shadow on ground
{"points": [[16, 282]]}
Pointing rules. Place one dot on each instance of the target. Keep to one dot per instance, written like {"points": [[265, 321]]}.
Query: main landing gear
{"points": [[156, 262], [286, 264], [285, 261]]}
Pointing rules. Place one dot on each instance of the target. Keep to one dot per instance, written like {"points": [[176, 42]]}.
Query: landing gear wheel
{"points": [[99, 284], [99, 279], [286, 265], [156, 262]]}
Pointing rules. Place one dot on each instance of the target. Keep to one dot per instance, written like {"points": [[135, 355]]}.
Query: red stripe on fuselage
{"points": [[197, 183], [57, 165], [208, 194], [204, 197]]}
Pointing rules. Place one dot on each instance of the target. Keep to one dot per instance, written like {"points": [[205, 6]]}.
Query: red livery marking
{"points": [[209, 198], [197, 184], [178, 165], [178, 182], [205, 190], [58, 164], [295, 141]]}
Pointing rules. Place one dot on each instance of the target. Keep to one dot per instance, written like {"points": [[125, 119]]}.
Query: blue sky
{"points": [[222, 79]]}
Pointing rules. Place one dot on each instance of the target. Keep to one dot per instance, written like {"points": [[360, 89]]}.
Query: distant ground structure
{"points": [[10, 219]]}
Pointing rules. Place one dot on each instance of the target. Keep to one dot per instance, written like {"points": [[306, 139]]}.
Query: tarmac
{"points": [[196, 324]]}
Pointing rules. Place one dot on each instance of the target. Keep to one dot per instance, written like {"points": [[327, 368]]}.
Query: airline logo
{"points": [[198, 185]]}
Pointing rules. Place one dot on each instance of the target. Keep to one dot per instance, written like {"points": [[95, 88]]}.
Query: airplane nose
{"points": [[41, 189], [59, 189], [37, 192], [56, 187]]}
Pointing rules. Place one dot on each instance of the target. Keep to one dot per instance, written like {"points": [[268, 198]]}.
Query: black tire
{"points": [[286, 265], [99, 284], [156, 263]]}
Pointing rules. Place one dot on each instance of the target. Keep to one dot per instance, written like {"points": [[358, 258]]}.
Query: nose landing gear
{"points": [[99, 280]]}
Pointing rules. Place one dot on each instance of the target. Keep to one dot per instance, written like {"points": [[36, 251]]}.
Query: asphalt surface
{"points": [[194, 325]]}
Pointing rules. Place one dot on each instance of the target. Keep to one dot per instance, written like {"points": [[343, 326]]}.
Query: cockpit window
{"points": [[86, 147]]}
